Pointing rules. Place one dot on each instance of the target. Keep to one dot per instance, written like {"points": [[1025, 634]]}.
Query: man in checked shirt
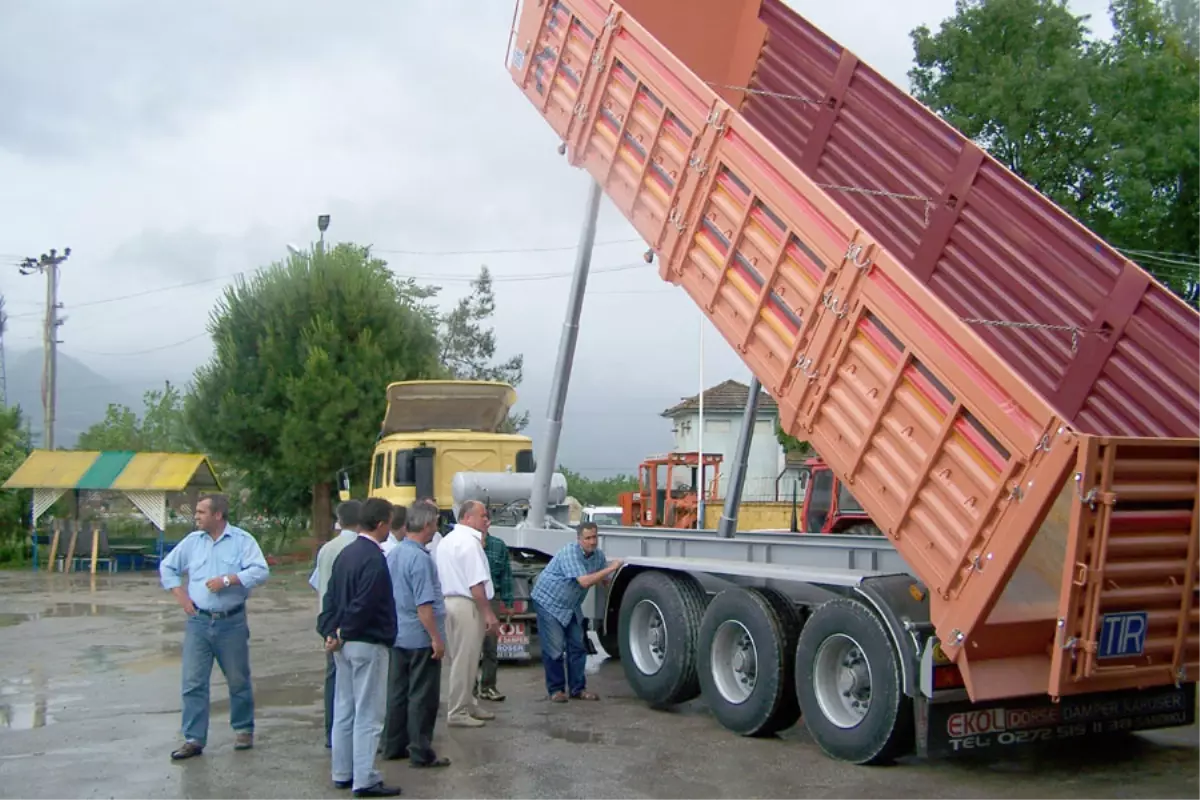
{"points": [[501, 568], [558, 599]]}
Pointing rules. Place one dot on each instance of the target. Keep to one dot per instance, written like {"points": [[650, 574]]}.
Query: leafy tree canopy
{"points": [[1109, 130], [295, 389], [161, 428], [467, 346], [597, 491]]}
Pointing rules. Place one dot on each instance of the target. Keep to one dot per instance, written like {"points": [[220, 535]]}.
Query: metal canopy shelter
{"points": [[145, 478]]}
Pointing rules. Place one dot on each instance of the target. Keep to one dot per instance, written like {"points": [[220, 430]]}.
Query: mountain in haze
{"points": [[83, 395]]}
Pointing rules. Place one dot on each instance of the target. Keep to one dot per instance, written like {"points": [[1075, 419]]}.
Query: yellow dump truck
{"points": [[433, 430]]}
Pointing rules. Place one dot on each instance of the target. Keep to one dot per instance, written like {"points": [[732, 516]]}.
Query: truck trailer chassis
{"points": [[1039, 497]]}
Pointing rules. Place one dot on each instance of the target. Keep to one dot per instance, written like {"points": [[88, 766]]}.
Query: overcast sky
{"points": [[172, 143]]}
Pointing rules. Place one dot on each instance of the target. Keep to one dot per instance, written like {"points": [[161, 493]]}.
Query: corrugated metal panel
{"points": [[166, 472], [52, 469], [104, 470], [953, 453], [987, 244]]}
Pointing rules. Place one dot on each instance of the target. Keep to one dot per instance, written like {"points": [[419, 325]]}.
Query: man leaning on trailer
{"points": [[558, 600]]}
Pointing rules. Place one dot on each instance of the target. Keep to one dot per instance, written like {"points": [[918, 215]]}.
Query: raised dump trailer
{"points": [[1013, 402]]}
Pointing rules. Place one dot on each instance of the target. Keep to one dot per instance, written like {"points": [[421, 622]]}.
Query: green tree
{"points": [[1110, 131], [294, 391], [467, 346], [597, 491], [162, 427], [791, 444], [14, 504]]}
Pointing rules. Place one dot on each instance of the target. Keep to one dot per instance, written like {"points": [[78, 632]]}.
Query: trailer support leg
{"points": [[548, 453], [733, 495]]}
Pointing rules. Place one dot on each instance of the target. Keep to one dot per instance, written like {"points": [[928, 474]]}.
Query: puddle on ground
{"points": [[576, 736], [8, 620], [289, 696], [28, 703]]}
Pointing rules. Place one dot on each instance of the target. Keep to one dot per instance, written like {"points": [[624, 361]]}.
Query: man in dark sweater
{"points": [[358, 621]]}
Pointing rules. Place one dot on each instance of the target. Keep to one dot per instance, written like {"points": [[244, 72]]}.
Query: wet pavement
{"points": [[89, 707]]}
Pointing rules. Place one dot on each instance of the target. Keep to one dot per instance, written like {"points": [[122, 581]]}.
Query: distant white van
{"points": [[604, 516]]}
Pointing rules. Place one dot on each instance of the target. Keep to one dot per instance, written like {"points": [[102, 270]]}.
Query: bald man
{"points": [[466, 580]]}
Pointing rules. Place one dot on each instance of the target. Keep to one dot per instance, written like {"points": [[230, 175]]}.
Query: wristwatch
{"points": [[226, 579]]}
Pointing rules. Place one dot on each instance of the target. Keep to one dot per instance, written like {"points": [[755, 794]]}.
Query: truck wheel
{"points": [[747, 650], [660, 621], [848, 685]]}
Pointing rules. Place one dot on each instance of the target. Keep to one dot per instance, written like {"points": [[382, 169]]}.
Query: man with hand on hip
{"points": [[223, 563], [467, 581], [558, 600], [415, 684], [358, 622]]}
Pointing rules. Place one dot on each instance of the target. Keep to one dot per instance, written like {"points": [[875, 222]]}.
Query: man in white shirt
{"points": [[399, 515], [466, 581], [348, 516]]}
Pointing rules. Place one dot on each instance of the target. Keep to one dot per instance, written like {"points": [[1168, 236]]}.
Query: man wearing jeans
{"points": [[223, 563], [558, 600], [358, 622], [415, 682]]}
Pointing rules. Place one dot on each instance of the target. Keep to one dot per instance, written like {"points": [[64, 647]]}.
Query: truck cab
{"points": [[829, 507], [435, 429]]}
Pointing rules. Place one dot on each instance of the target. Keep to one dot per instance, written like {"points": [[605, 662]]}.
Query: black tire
{"points": [[864, 529], [773, 626], [680, 602], [886, 731]]}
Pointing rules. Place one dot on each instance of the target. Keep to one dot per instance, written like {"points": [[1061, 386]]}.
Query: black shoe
{"points": [[342, 784], [436, 762], [380, 789]]}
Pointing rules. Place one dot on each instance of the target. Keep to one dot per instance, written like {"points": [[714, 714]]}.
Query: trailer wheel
{"points": [[660, 621], [848, 685], [747, 650]]}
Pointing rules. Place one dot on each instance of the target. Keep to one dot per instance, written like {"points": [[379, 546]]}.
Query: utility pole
{"points": [[3, 368], [49, 265]]}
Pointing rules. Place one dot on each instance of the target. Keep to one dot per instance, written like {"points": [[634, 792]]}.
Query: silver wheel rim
{"points": [[842, 681], [734, 661], [647, 637]]}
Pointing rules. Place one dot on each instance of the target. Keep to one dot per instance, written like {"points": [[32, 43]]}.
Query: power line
{"points": [[148, 350], [497, 251]]}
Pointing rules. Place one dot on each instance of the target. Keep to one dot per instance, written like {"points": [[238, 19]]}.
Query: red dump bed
{"points": [[983, 451], [992, 247]]}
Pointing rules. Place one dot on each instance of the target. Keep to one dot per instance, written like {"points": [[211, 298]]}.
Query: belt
{"points": [[220, 614]]}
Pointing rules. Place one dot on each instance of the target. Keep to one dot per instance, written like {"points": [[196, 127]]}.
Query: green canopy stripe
{"points": [[105, 469]]}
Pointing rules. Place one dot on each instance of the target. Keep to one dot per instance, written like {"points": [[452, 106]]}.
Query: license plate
{"points": [[513, 640]]}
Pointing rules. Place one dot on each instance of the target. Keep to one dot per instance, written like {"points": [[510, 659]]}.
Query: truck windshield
{"points": [[606, 519], [406, 474], [846, 502]]}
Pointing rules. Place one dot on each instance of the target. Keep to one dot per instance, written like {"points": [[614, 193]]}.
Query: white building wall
{"points": [[720, 436]]}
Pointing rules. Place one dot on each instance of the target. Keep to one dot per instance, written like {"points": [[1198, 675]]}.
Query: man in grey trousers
{"points": [[348, 514], [358, 621]]}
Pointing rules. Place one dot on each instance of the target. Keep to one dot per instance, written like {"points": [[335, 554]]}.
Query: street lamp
{"points": [[322, 226]]}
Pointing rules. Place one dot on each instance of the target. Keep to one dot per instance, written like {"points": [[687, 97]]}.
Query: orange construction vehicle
{"points": [[665, 503], [829, 507]]}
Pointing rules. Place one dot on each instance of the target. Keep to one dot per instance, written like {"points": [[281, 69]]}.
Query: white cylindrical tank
{"points": [[502, 488]]}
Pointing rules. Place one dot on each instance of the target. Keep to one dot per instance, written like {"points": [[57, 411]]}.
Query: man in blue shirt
{"points": [[558, 600], [420, 643], [223, 563]]}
